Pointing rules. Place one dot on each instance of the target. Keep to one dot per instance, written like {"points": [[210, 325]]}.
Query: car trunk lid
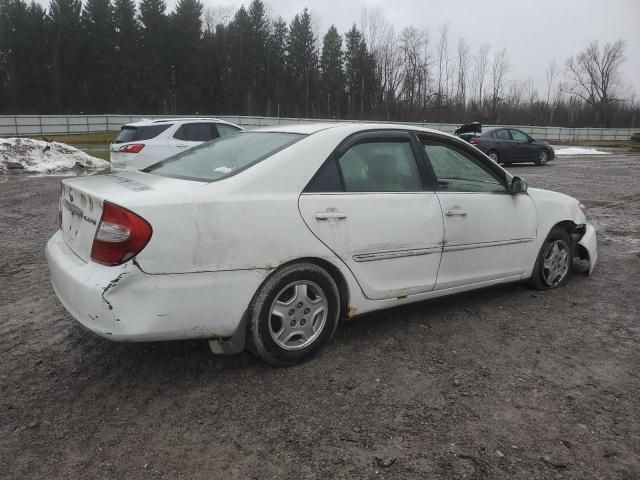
{"points": [[81, 202]]}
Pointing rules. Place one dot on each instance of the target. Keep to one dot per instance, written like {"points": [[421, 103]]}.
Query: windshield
{"points": [[224, 156]]}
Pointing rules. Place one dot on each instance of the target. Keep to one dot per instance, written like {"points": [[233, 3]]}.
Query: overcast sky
{"points": [[533, 31]]}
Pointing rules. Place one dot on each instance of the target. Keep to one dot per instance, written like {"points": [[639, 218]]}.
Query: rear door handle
{"points": [[455, 211], [330, 215]]}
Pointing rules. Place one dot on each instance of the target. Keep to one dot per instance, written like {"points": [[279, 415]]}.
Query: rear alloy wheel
{"points": [[553, 265], [543, 158], [493, 155], [294, 313]]}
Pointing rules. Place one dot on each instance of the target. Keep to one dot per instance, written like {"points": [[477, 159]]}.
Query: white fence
{"points": [[37, 125]]}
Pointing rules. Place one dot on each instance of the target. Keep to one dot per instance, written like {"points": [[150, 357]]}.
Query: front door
{"points": [[369, 205], [489, 233], [521, 146]]}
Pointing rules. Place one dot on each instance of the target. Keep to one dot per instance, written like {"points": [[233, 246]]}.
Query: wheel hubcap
{"points": [[543, 157], [493, 157], [556, 263], [298, 315]]}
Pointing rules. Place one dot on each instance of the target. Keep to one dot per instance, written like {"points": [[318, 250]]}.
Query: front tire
{"points": [[553, 265], [543, 158], [294, 313]]}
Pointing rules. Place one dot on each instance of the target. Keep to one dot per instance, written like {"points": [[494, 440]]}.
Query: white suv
{"points": [[146, 142]]}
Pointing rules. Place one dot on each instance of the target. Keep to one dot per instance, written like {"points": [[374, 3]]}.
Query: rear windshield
{"points": [[224, 156], [136, 134]]}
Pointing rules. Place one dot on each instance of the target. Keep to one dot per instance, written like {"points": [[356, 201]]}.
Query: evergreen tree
{"points": [[126, 58], [240, 60], [302, 63], [332, 74], [24, 59], [258, 51], [97, 54], [66, 40], [186, 26], [276, 66], [359, 72], [157, 72]]}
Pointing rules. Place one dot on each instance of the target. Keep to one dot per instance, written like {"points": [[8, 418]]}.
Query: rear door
{"points": [[488, 233], [504, 145], [373, 205], [189, 135]]}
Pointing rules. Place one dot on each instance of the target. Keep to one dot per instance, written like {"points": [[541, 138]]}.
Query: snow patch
{"points": [[37, 156], [579, 151]]}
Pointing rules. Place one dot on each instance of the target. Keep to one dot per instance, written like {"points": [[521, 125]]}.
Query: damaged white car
{"points": [[265, 239]]}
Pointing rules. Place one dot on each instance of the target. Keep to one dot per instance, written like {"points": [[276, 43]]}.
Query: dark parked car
{"points": [[635, 137], [510, 145]]}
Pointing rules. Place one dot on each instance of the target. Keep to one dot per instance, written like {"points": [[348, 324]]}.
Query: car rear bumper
{"points": [[125, 304]]}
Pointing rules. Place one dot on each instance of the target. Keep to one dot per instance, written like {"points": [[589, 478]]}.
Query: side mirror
{"points": [[517, 186]]}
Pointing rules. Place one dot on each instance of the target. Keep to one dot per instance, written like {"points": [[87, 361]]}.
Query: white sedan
{"points": [[264, 239]]}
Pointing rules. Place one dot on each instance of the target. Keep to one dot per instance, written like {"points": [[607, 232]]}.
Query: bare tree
{"points": [[442, 55], [594, 75], [551, 74], [462, 61], [531, 91], [219, 15], [382, 42], [499, 68], [480, 70]]}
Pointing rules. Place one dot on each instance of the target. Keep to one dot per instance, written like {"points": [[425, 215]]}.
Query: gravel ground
{"points": [[504, 383]]}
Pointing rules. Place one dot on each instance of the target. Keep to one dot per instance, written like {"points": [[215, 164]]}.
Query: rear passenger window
{"points": [[388, 166], [196, 132], [137, 134], [326, 180], [502, 135]]}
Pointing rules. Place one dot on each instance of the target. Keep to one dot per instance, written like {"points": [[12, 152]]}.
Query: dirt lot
{"points": [[504, 383]]}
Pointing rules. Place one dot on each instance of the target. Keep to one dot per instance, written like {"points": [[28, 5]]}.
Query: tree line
{"points": [[111, 56]]}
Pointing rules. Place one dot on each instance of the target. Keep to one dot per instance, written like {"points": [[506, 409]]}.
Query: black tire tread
{"points": [[263, 348]]}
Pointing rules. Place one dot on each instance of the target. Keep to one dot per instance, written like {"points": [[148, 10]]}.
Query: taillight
{"points": [[132, 148], [60, 198], [120, 236], [474, 141]]}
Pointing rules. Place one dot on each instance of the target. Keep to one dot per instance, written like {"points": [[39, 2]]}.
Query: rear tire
{"points": [[553, 265], [493, 155], [294, 313]]}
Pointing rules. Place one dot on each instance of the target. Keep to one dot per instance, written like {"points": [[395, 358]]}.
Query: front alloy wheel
{"points": [[556, 263], [543, 158], [553, 265]]}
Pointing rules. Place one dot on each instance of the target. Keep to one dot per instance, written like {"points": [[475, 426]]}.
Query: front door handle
{"points": [[330, 215], [182, 145], [455, 211]]}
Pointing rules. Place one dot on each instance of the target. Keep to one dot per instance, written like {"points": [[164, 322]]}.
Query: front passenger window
{"points": [[459, 172]]}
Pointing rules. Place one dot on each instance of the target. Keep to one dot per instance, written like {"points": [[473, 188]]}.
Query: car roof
{"points": [[160, 121], [348, 128]]}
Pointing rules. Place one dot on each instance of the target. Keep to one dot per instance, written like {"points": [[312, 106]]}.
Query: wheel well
{"points": [[566, 225], [336, 274]]}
